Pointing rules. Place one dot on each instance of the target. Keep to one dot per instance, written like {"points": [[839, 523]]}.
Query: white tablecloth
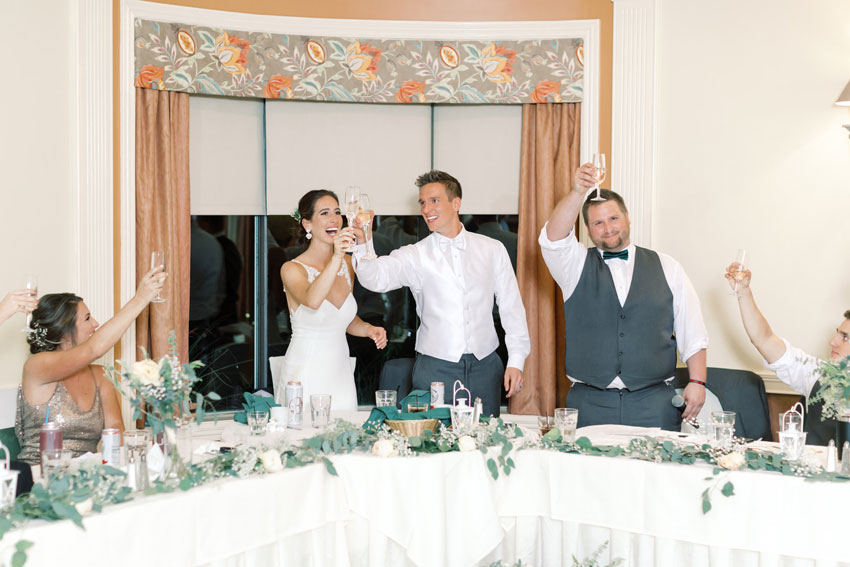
{"points": [[446, 510]]}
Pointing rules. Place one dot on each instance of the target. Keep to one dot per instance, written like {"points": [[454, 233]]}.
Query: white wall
{"points": [[751, 154], [36, 156]]}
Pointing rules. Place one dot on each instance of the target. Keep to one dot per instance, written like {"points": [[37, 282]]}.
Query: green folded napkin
{"points": [[379, 415], [254, 403]]}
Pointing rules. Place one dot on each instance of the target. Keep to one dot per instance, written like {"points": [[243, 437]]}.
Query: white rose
{"points": [[271, 461], [147, 372], [732, 461], [84, 507], [383, 448], [466, 443]]}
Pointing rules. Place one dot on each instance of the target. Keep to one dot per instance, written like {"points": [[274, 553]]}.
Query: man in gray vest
{"points": [[627, 310]]}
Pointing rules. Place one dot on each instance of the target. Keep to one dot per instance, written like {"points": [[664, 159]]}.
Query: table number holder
{"points": [[8, 480]]}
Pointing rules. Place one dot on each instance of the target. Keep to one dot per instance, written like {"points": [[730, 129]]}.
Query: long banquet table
{"points": [[446, 510]]}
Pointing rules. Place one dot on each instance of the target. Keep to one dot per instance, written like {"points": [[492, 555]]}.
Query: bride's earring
{"points": [[309, 234]]}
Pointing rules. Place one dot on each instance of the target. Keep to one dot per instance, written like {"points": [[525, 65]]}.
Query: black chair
{"points": [[818, 430], [397, 374], [740, 391]]}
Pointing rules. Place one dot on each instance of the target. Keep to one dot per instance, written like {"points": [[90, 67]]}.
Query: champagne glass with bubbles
{"points": [[352, 203], [738, 269], [365, 216], [599, 169], [158, 259], [32, 287]]}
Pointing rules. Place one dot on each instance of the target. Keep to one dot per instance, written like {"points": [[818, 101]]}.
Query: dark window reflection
{"points": [[221, 328], [221, 303]]}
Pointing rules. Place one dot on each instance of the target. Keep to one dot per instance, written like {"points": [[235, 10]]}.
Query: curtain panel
{"points": [[162, 215], [214, 61], [549, 156]]}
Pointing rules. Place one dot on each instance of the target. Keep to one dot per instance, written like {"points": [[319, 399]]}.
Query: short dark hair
{"points": [[57, 315], [847, 314], [452, 185], [307, 208], [606, 194]]}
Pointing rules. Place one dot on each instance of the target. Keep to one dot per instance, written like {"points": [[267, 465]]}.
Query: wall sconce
{"points": [[844, 100]]}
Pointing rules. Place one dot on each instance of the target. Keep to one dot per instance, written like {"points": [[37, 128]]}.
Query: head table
{"points": [[447, 510]]}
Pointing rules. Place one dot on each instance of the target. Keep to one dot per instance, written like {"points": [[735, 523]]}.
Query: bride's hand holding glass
{"points": [[344, 241]]}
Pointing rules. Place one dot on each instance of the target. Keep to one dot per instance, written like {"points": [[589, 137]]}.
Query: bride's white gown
{"points": [[318, 352]]}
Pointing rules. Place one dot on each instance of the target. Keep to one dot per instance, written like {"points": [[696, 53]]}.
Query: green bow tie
{"points": [[622, 255]]}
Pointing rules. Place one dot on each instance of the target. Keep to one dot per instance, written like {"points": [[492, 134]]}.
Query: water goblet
{"points": [[724, 427], [55, 462]]}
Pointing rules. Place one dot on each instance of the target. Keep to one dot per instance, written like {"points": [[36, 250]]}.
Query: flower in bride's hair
{"points": [[147, 372], [296, 214], [37, 334]]}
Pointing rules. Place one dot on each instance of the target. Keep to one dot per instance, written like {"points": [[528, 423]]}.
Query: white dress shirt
{"points": [[565, 259], [796, 368], [454, 282]]}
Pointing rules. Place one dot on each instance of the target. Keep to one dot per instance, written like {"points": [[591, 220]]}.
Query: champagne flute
{"points": [[738, 270], [599, 168], [352, 203], [365, 216], [157, 259], [32, 287]]}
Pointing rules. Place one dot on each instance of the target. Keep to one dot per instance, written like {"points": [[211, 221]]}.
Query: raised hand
{"points": [[735, 275], [18, 301], [584, 178], [343, 241], [151, 284]]}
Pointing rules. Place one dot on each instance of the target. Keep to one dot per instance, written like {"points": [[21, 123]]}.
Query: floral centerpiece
{"points": [[162, 392], [834, 392]]}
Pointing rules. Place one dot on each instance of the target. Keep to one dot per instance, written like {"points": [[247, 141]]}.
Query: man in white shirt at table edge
{"points": [[627, 311], [454, 276]]}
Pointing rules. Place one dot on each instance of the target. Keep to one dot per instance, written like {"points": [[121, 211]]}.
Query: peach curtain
{"points": [[549, 156], [162, 214]]}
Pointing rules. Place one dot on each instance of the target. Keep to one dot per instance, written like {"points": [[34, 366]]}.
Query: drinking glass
{"points": [[567, 421], [320, 409], [738, 272], [157, 259], [599, 168], [724, 427], [365, 216], [385, 398], [257, 421], [352, 203], [546, 423], [55, 463], [32, 287]]}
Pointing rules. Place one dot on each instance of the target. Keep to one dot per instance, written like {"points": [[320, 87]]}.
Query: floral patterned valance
{"points": [[204, 60]]}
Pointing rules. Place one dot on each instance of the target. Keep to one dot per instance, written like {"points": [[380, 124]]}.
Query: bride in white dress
{"points": [[322, 309]]}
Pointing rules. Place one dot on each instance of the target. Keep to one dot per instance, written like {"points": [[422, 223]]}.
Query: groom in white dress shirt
{"points": [[454, 276]]}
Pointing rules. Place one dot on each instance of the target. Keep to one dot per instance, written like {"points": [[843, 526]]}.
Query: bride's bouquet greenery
{"points": [[162, 390], [834, 388]]}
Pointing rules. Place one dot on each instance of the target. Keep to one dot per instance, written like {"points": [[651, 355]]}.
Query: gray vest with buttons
{"points": [[635, 341]]}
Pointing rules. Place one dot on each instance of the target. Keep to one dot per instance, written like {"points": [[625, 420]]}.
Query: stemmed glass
{"points": [[599, 168], [365, 216], [157, 259], [352, 204], [32, 287], [738, 269]]}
